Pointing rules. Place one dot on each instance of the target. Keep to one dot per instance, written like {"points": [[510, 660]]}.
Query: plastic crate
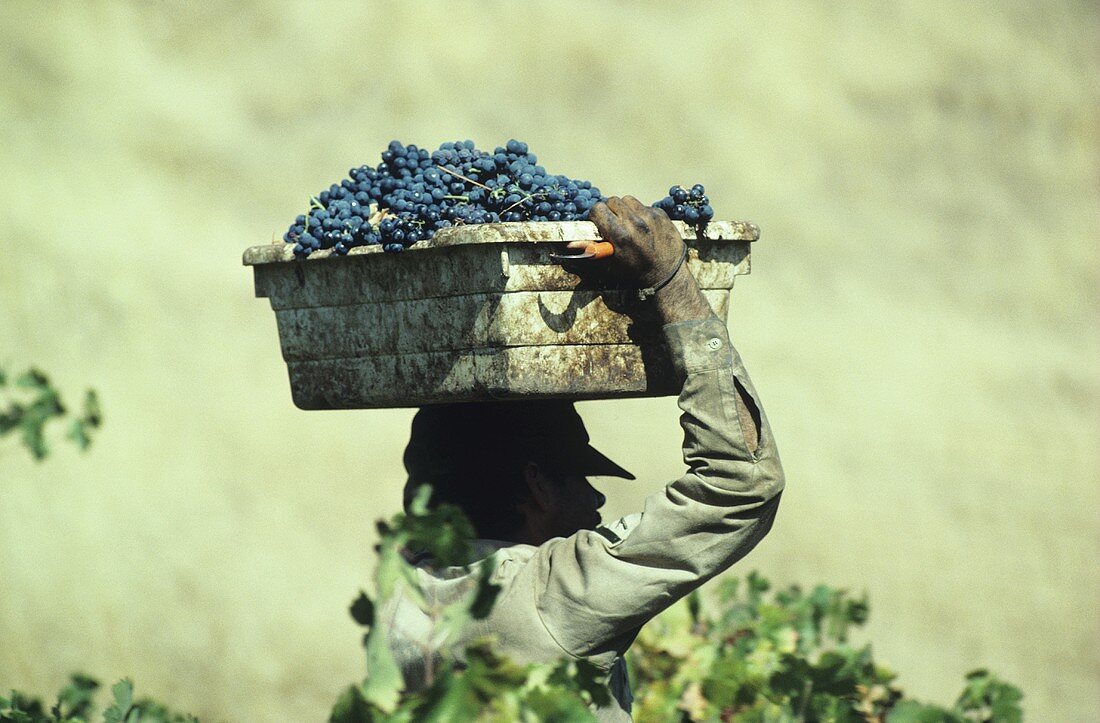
{"points": [[476, 313]]}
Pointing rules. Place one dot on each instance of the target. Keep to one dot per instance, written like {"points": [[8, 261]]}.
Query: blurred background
{"points": [[921, 320]]}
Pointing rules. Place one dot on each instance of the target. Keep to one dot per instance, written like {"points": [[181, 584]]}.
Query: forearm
{"points": [[681, 299]]}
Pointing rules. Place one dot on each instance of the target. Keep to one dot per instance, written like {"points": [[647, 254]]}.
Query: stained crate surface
{"points": [[475, 313]]}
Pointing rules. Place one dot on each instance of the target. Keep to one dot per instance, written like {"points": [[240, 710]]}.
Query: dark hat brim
{"points": [[591, 461]]}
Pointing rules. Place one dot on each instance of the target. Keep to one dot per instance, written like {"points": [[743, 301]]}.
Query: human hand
{"points": [[648, 248]]}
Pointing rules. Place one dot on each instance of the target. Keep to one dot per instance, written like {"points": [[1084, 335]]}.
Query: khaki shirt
{"points": [[587, 595]]}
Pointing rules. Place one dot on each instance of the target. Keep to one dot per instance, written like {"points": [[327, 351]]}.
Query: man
{"points": [[519, 470]]}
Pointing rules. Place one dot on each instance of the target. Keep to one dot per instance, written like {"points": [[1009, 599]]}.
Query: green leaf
{"points": [[24, 709], [444, 533], [728, 590], [362, 610], [592, 681], [487, 592], [34, 439], [384, 682], [31, 418], [351, 707], [80, 429], [33, 379], [12, 418], [985, 691], [150, 711], [390, 570], [93, 412], [75, 699], [79, 434], [119, 711], [418, 506], [557, 705], [491, 674], [910, 711], [694, 603], [858, 611], [450, 698], [758, 584]]}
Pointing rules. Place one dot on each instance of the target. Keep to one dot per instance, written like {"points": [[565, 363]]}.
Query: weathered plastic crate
{"points": [[478, 312]]}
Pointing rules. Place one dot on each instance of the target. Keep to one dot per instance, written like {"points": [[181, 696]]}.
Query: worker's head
{"points": [[517, 469]]}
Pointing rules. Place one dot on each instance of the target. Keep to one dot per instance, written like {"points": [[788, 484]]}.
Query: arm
{"points": [[682, 302], [594, 590]]}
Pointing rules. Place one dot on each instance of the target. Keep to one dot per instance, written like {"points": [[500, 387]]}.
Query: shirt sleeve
{"points": [[593, 590]]}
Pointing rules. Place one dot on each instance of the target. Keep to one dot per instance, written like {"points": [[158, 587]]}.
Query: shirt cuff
{"points": [[701, 345]]}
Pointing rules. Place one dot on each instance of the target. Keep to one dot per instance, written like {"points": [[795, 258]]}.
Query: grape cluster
{"points": [[690, 206], [413, 193]]}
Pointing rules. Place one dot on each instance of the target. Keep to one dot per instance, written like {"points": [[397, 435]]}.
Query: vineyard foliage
{"points": [[745, 654], [739, 652], [76, 704], [748, 653], [30, 402]]}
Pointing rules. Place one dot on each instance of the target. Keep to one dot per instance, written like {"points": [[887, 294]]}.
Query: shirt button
{"points": [[714, 344]]}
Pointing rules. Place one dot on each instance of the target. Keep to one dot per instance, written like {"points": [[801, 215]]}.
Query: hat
{"points": [[458, 440]]}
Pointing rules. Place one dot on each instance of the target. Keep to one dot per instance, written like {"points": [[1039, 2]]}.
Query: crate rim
{"points": [[497, 233]]}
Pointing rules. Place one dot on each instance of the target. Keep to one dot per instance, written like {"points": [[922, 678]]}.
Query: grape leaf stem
{"points": [[459, 175]]}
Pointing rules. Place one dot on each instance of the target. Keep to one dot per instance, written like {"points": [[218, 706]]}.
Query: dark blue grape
{"points": [[420, 198]]}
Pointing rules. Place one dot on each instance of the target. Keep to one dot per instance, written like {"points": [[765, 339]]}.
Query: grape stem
{"points": [[529, 197], [378, 215], [469, 180]]}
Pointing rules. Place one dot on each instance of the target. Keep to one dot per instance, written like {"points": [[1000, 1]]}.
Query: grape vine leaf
{"points": [[351, 707], [987, 695], [451, 698], [34, 438], [362, 610], [555, 704], [384, 682], [487, 591], [120, 710], [910, 711], [33, 379], [75, 700], [92, 418]]}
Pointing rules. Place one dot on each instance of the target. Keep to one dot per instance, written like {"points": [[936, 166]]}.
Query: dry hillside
{"points": [[921, 321]]}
